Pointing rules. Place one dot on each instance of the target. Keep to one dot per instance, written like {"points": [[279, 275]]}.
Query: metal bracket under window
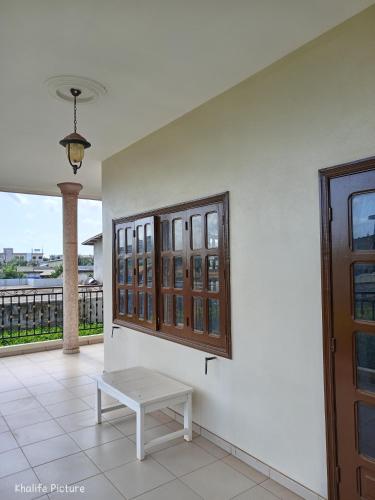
{"points": [[114, 328], [206, 361]]}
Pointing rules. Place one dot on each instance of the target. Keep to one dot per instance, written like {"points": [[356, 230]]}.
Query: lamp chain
{"points": [[75, 113]]}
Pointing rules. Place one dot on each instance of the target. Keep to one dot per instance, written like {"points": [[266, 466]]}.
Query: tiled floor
{"points": [[48, 436]]}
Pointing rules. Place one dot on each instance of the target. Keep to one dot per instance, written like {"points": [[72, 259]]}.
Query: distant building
{"points": [[34, 257], [97, 242]]}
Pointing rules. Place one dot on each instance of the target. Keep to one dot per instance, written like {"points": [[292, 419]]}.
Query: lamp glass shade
{"points": [[75, 152]]}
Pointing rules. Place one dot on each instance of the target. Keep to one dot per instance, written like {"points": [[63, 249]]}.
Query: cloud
{"points": [[21, 199]]}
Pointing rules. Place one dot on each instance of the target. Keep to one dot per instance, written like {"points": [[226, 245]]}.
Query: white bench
{"points": [[143, 391]]}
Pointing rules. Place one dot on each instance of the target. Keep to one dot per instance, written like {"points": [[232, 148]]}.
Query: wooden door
{"points": [[352, 341]]}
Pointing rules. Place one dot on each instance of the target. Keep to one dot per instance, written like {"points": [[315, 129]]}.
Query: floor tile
{"points": [[76, 421], [50, 449], [95, 435], [127, 425], [117, 414], [12, 461], [113, 454], [94, 488], [45, 387], [50, 398], [21, 419], [183, 458], [217, 481], [81, 391], [37, 432], [256, 493], [40, 380], [13, 395], [27, 478], [279, 491], [7, 442], [136, 478], [156, 432], [211, 448], [76, 381], [175, 490], [18, 405], [67, 470], [3, 425], [245, 469], [66, 407]]}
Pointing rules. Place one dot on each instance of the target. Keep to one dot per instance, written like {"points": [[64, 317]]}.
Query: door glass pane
{"points": [[364, 291], [198, 314], [213, 273], [167, 309], [129, 240], [149, 307], [363, 221], [121, 272], [166, 279], [212, 230], [121, 301], [129, 303], [178, 273], [366, 429], [148, 238], [196, 231], [197, 272], [141, 305], [149, 272], [129, 271], [140, 239], [179, 310], [177, 234], [365, 349], [213, 317], [165, 236], [141, 277], [121, 241]]}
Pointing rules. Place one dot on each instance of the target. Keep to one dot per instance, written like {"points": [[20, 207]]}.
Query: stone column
{"points": [[70, 191]]}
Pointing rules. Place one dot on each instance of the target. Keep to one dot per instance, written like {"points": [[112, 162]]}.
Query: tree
{"points": [[9, 271], [57, 272]]}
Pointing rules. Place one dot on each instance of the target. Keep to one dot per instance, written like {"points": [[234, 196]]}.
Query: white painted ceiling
{"points": [[158, 59]]}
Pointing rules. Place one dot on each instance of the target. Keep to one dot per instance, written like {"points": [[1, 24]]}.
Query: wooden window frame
{"points": [[220, 345]]}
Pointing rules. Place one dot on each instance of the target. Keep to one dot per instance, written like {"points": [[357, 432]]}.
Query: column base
{"points": [[72, 350]]}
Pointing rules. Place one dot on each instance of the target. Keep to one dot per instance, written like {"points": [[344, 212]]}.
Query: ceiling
{"points": [[158, 59]]}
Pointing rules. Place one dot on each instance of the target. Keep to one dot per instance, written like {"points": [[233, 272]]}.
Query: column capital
{"points": [[70, 188]]}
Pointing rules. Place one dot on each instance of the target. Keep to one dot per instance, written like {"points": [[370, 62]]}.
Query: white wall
{"points": [[264, 141]]}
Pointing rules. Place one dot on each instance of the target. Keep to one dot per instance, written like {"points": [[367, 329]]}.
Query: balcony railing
{"points": [[34, 314]]}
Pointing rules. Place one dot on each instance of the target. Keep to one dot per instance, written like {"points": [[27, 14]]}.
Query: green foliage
{"points": [[28, 336], [57, 272], [9, 271], [85, 260]]}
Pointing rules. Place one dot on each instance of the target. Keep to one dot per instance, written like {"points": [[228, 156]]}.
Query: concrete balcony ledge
{"points": [[46, 345]]}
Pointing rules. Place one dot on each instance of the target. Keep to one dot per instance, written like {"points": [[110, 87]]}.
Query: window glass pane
{"points": [[167, 309], [121, 301], [196, 231], [197, 272], [140, 239], [141, 277], [364, 291], [213, 317], [129, 240], [129, 303], [149, 307], [178, 273], [365, 348], [366, 429], [141, 305], [177, 234], [121, 272], [179, 310], [198, 314], [121, 241], [212, 230], [129, 271], [165, 236], [213, 273], [363, 221], [166, 279], [148, 238], [149, 272]]}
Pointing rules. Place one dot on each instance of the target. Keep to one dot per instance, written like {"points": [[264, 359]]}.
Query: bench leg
{"points": [[140, 433], [98, 405], [188, 419]]}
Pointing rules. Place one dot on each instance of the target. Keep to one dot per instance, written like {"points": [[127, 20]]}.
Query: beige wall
{"points": [[264, 141]]}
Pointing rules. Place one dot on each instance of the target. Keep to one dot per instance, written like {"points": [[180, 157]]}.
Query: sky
{"points": [[30, 221]]}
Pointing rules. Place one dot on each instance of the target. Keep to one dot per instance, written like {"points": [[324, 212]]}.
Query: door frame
{"points": [[325, 176]]}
